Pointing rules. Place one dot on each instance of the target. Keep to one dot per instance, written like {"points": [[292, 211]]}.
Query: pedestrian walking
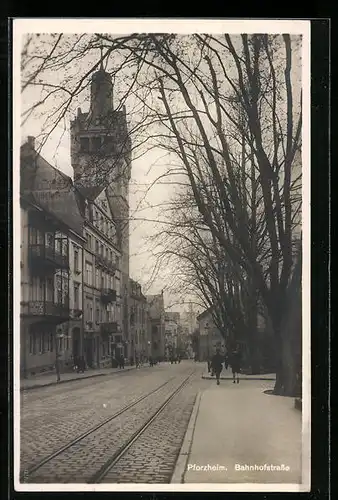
{"points": [[226, 361], [216, 364], [236, 364], [121, 362]]}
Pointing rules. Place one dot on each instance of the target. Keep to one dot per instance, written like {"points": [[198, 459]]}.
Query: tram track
{"points": [[29, 471], [116, 457], [91, 448]]}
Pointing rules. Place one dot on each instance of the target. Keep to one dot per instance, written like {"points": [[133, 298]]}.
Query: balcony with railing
{"points": [[108, 295], [109, 327], [104, 263], [52, 311], [43, 256]]}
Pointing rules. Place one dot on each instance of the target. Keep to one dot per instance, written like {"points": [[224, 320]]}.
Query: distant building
{"points": [[209, 336], [171, 333], [157, 324], [139, 321]]}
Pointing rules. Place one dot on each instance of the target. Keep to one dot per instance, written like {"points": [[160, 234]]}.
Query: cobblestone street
{"points": [[52, 418]]}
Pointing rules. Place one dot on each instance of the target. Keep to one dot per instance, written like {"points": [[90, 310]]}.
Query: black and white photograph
{"points": [[161, 255]]}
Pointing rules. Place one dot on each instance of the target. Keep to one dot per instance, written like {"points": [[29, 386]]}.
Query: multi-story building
{"points": [[171, 332], [139, 329], [102, 284], [51, 266], [209, 335], [157, 324], [101, 159]]}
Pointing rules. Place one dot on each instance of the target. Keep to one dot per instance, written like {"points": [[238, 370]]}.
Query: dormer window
{"points": [[84, 144]]}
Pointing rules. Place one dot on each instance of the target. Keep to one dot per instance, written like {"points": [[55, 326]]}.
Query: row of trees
{"points": [[228, 109]]}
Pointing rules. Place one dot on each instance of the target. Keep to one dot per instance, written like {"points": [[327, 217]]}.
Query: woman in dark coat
{"points": [[216, 364]]}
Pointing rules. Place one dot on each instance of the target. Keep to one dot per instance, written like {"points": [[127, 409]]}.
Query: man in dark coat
{"points": [[236, 364], [216, 364]]}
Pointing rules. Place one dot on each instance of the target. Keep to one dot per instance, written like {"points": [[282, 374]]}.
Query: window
{"points": [[96, 247], [97, 278], [89, 310], [84, 144], [76, 260], [32, 343], [32, 236], [89, 273], [89, 242], [102, 279], [50, 240], [107, 253], [58, 245], [76, 296], [111, 255], [96, 143], [42, 343], [97, 314], [101, 249]]}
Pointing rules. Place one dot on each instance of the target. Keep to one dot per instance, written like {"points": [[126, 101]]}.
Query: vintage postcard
{"points": [[161, 255]]}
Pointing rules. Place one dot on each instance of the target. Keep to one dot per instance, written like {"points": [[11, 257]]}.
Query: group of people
{"points": [[215, 364]]}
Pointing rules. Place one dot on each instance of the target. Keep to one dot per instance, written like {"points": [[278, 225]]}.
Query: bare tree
{"points": [[228, 107]]}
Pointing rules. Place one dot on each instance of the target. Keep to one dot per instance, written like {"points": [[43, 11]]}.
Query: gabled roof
{"points": [[205, 313], [49, 188]]}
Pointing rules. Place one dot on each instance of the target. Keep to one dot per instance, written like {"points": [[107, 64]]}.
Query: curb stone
{"points": [[184, 453], [40, 386], [251, 377]]}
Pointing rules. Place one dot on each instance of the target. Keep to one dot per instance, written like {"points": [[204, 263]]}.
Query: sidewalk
{"points": [[236, 432], [50, 379], [227, 375]]}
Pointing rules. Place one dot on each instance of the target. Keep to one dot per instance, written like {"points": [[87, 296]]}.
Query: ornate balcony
{"points": [[108, 295], [105, 263], [43, 257], [51, 311], [109, 327]]}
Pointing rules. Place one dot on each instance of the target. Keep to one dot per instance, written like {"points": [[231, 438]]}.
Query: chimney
{"points": [[79, 112], [31, 141]]}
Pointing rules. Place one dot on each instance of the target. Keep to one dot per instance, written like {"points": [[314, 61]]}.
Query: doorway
{"points": [[76, 344]]}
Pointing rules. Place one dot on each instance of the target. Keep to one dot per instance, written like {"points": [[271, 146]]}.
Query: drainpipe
{"points": [[83, 308]]}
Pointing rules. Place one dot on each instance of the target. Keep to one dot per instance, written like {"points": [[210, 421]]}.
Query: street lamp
{"points": [[207, 334]]}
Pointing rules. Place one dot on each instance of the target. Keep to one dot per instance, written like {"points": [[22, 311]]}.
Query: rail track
{"points": [[116, 457], [30, 473]]}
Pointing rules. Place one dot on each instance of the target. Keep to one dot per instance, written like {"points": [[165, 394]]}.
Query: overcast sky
{"points": [[144, 204]]}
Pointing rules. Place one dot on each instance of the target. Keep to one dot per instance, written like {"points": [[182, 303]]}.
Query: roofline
{"points": [[204, 313], [41, 209]]}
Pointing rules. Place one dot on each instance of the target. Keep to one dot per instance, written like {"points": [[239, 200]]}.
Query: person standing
{"points": [[236, 364], [216, 364]]}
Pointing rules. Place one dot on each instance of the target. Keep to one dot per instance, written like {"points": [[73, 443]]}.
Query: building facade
{"points": [[101, 159], [139, 322], [171, 333], [157, 325], [51, 230]]}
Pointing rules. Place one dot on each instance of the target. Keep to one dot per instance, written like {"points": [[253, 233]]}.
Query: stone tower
{"points": [[101, 159]]}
